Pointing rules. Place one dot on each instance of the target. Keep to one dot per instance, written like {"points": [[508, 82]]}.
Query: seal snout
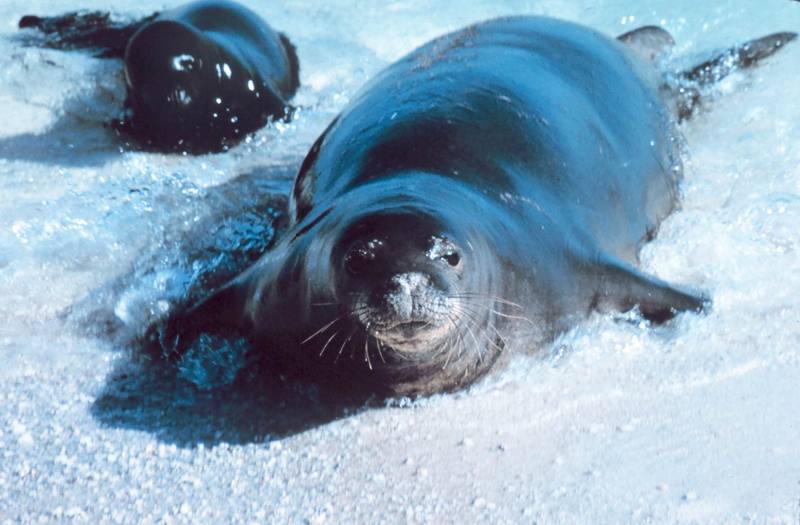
{"points": [[409, 312], [406, 297], [399, 275]]}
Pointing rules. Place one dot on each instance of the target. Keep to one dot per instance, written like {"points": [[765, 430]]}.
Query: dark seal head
{"points": [[202, 76], [168, 97], [401, 276], [390, 291], [199, 77], [417, 288]]}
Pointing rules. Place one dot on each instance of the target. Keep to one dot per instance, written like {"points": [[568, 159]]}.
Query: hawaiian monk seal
{"points": [[499, 180], [199, 77]]}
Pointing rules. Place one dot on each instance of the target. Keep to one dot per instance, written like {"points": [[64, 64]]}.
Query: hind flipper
{"points": [[649, 42], [686, 89], [94, 30], [743, 56]]}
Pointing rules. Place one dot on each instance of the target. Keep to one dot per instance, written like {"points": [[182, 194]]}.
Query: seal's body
{"points": [[204, 75], [199, 77], [497, 181]]}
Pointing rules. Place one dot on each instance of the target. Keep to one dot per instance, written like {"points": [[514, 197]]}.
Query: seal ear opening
{"points": [[623, 288]]}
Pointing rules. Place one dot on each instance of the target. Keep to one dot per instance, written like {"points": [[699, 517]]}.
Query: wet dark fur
{"points": [[199, 77], [542, 151]]}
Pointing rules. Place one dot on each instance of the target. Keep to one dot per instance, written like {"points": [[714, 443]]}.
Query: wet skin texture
{"points": [[202, 76], [491, 187], [199, 77]]}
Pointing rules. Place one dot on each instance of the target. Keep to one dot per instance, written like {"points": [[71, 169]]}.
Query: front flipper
{"points": [[207, 344], [623, 287], [219, 316]]}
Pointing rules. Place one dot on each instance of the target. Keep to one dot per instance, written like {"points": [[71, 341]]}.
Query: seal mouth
{"points": [[409, 336], [405, 333], [406, 327]]}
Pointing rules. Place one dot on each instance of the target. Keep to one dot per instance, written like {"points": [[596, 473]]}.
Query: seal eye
{"points": [[358, 261], [443, 249], [361, 257], [452, 258]]}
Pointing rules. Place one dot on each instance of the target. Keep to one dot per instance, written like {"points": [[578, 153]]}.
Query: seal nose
{"points": [[405, 292]]}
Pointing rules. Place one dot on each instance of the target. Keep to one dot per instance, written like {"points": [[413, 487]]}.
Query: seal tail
{"points": [[95, 30], [689, 87]]}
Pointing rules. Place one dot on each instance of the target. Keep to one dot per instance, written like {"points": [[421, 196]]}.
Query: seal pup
{"points": [[199, 77], [492, 187]]}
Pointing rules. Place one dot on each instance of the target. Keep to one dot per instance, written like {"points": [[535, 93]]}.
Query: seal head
{"points": [[393, 297], [169, 92], [400, 277]]}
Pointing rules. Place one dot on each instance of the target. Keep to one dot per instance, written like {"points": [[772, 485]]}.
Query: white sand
{"points": [[695, 422]]}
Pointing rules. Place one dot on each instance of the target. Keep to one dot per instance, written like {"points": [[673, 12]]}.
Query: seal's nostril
{"points": [[404, 295], [400, 304], [410, 283]]}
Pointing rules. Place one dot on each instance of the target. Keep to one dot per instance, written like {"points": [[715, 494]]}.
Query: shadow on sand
{"points": [[242, 219], [70, 142], [150, 396]]}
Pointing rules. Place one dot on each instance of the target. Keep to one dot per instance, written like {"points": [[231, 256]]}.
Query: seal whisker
{"points": [[366, 351], [478, 326], [321, 330], [502, 339], [478, 295], [380, 349], [475, 339], [450, 343], [327, 343], [477, 307], [491, 325], [469, 317], [341, 348], [506, 302], [459, 339], [484, 334], [514, 317], [465, 309]]}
